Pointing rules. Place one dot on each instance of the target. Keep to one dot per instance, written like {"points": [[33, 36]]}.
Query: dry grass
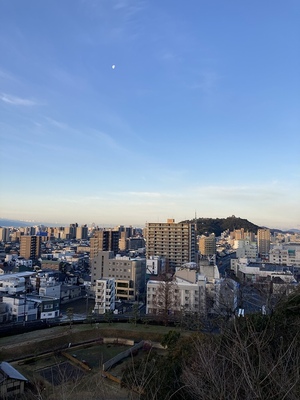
{"points": [[53, 339]]}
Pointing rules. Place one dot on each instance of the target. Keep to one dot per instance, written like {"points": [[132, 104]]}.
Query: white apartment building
{"points": [[22, 261], [247, 270], [285, 254], [12, 284], [186, 292], [245, 248], [46, 285], [105, 295], [31, 307], [155, 265], [15, 283], [20, 308]]}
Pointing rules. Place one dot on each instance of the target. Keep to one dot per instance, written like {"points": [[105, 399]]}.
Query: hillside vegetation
{"points": [[256, 357], [206, 226]]}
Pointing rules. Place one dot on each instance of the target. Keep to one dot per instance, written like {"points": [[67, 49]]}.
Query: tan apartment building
{"points": [[30, 247], [104, 240], [263, 242], [207, 245], [129, 274], [174, 241]]}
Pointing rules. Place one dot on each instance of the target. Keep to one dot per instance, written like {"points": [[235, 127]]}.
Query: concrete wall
{"points": [[126, 342], [121, 355]]}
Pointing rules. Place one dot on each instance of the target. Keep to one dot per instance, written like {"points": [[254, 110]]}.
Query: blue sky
{"points": [[200, 114]]}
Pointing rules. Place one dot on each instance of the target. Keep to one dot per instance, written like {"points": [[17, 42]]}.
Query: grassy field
{"points": [[37, 355], [54, 373], [59, 338]]}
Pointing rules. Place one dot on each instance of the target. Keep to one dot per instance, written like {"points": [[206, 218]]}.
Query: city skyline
{"points": [[126, 112]]}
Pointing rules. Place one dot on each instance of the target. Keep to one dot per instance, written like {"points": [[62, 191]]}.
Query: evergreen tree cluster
{"points": [[206, 226]]}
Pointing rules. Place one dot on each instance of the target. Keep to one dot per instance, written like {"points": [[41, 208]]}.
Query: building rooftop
{"points": [[11, 372]]}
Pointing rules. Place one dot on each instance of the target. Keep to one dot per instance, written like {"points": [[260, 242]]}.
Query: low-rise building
{"points": [[15, 283], [156, 265], [186, 292], [11, 381], [20, 308], [253, 271], [47, 306], [105, 295], [245, 248], [70, 292], [129, 274], [285, 254]]}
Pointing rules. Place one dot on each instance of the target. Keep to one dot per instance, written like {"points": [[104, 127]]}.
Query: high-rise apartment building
{"points": [[263, 242], [4, 234], [72, 231], [174, 241], [239, 234], [82, 232], [104, 240], [30, 247], [207, 245]]}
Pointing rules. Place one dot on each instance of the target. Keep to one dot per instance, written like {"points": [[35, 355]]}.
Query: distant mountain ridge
{"points": [[16, 223], [206, 226]]}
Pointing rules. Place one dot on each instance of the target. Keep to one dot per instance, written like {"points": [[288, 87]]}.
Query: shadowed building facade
{"points": [[30, 247]]}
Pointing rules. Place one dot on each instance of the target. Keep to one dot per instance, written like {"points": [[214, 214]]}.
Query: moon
{"points": [[113, 66]]}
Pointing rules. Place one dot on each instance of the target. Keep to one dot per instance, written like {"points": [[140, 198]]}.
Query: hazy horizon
{"points": [[128, 111], [14, 223]]}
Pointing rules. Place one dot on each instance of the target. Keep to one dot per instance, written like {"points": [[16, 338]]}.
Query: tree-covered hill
{"points": [[206, 226]]}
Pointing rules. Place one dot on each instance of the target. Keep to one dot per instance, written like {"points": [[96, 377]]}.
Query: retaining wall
{"points": [[121, 356]]}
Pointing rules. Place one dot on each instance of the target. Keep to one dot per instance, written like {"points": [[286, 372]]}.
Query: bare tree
{"points": [[246, 362], [88, 386], [166, 300], [70, 315]]}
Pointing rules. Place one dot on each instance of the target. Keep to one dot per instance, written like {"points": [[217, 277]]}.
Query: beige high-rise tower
{"points": [[207, 245], [263, 242], [174, 241], [30, 247], [104, 240]]}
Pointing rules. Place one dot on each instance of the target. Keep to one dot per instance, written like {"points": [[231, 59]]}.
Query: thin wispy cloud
{"points": [[141, 194], [129, 7], [268, 191], [118, 18], [16, 101], [207, 82], [108, 140], [65, 78], [7, 76], [57, 124]]}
